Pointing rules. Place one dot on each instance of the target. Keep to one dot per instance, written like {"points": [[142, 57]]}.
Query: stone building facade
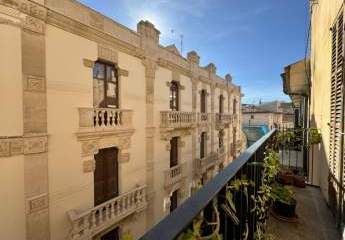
{"points": [[103, 130]]}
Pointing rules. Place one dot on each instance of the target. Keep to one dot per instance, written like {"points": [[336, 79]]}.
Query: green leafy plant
{"points": [[282, 193], [127, 236], [314, 136]]}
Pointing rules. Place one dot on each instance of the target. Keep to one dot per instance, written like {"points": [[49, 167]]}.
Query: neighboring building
{"points": [[103, 130], [271, 114], [296, 85]]}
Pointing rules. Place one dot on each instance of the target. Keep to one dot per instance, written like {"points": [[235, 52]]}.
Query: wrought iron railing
{"points": [[249, 163]]}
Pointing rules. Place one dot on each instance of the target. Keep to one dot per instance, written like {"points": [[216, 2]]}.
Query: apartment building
{"points": [[103, 130], [317, 86]]}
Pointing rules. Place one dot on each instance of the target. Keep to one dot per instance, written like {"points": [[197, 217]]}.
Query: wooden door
{"points": [[202, 145], [173, 151], [106, 175], [173, 200], [112, 235]]}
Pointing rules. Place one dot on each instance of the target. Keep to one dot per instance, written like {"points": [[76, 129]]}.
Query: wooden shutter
{"points": [[337, 95]]}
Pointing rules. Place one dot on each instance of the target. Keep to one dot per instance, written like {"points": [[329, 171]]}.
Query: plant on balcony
{"points": [[199, 224], [127, 236], [264, 199], [284, 201], [314, 136]]}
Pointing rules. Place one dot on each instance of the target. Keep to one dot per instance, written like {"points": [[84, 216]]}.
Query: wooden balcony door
{"points": [[173, 152], [106, 175], [203, 145], [112, 235], [173, 200]]}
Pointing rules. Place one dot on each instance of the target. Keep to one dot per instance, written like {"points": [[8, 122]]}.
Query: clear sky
{"points": [[253, 40]]}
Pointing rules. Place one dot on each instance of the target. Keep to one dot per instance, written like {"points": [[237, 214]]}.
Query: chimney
{"points": [[148, 31]]}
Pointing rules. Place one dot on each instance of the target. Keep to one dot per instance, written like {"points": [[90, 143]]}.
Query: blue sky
{"points": [[253, 40]]}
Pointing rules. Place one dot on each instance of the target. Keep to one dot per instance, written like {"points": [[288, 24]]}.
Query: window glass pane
{"points": [[111, 90], [111, 73], [98, 71]]}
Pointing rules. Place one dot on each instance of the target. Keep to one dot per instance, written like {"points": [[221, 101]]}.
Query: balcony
{"points": [[223, 120], [247, 214], [88, 223], [104, 119], [178, 119], [202, 164], [204, 118], [174, 174]]}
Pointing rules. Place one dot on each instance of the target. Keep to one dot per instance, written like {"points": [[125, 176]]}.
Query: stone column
{"points": [[150, 69], [213, 123], [35, 124]]}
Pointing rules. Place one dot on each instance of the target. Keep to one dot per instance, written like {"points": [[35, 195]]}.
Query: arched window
{"points": [[203, 101], [174, 96], [221, 104], [107, 93]]}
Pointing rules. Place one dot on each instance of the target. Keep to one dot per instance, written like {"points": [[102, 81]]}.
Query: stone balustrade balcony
{"points": [[104, 119], [204, 118], [88, 223], [178, 119], [174, 174], [201, 164], [223, 120]]}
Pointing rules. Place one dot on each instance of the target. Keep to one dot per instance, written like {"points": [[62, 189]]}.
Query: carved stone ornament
{"points": [[89, 166], [125, 142], [88, 63], [35, 83], [34, 24], [107, 54], [89, 147], [37, 203], [124, 157], [27, 7], [4, 148], [35, 144], [123, 72]]}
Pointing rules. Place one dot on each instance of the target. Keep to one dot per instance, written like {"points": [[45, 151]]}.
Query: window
{"points": [[203, 101], [174, 96], [234, 106], [221, 138], [203, 142], [221, 104], [107, 84]]}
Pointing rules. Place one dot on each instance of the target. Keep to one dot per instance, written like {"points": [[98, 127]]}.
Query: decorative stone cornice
{"points": [[174, 67], [88, 63], [28, 7], [123, 72]]}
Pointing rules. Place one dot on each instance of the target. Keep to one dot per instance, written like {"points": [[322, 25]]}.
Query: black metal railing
{"points": [[208, 200], [294, 151]]}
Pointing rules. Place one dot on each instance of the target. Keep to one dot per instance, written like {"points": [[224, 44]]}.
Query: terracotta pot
{"points": [[299, 181], [286, 178]]}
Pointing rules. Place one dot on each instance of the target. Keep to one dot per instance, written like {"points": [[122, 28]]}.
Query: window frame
{"points": [[174, 91], [106, 65]]}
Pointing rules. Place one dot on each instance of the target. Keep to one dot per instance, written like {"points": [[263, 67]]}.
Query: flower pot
{"points": [[284, 209], [286, 178], [299, 181]]}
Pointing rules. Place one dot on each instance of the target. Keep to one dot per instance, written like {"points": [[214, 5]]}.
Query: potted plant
{"points": [[314, 136], [286, 176], [284, 203]]}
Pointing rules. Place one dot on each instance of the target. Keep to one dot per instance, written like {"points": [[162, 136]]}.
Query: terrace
{"points": [[232, 205]]}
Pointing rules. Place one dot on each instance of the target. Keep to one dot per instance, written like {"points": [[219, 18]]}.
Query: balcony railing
{"points": [[201, 164], [178, 119], [86, 224], [223, 120], [174, 174], [210, 197], [204, 118], [100, 119]]}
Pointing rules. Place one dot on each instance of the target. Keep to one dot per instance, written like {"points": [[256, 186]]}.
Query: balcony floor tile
{"points": [[315, 221]]}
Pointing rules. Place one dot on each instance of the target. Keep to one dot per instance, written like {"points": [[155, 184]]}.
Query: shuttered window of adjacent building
{"points": [[337, 95]]}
